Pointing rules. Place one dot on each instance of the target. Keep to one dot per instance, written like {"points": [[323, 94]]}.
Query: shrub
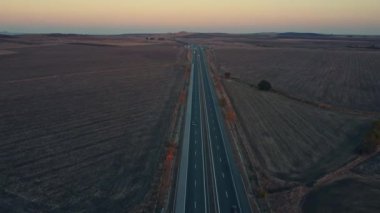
{"points": [[222, 102], [262, 193], [264, 85], [371, 139]]}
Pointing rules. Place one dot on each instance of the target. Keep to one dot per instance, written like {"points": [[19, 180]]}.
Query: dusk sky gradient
{"points": [[232, 16]]}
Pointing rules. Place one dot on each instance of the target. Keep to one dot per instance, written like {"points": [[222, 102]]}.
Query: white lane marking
{"points": [[184, 164], [220, 159], [195, 141], [217, 147], [195, 204], [195, 153], [195, 165], [223, 174], [216, 137], [226, 194], [195, 183]]}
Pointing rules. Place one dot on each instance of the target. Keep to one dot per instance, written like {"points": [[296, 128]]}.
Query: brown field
{"points": [[83, 126], [326, 95], [343, 78], [13, 42], [371, 167], [359, 193], [6, 52], [292, 140], [348, 195]]}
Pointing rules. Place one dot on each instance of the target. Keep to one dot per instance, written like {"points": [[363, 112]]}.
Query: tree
{"points": [[264, 85]]}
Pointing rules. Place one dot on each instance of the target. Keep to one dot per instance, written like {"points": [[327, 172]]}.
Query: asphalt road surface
{"points": [[208, 179]]}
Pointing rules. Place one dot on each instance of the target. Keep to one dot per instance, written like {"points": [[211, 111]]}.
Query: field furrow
{"points": [[79, 123]]}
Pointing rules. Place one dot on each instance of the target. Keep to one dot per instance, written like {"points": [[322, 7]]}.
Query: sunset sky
{"points": [[233, 16]]}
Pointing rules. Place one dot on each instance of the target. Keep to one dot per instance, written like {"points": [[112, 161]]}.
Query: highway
{"points": [[208, 179]]}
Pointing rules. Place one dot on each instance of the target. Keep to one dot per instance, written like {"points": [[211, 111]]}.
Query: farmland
{"points": [[294, 141], [83, 125], [303, 136], [346, 195], [358, 192], [343, 78]]}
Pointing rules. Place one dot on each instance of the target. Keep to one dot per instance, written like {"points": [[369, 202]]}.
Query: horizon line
{"points": [[188, 32]]}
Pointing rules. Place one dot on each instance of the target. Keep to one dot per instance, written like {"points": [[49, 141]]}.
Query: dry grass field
{"points": [[328, 96], [346, 195], [82, 126], [359, 193], [294, 141], [371, 167], [344, 78]]}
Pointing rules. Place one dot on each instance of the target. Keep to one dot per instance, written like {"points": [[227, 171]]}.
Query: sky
{"points": [[160, 16]]}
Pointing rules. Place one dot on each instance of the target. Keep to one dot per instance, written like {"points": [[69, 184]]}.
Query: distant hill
{"points": [[209, 35], [294, 35], [62, 34], [304, 35], [5, 34]]}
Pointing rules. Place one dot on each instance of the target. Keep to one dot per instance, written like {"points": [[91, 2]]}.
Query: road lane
{"points": [[191, 190], [230, 189], [196, 193], [225, 191], [208, 178]]}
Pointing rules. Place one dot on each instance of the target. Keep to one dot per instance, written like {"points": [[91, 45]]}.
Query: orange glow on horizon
{"points": [[196, 13]]}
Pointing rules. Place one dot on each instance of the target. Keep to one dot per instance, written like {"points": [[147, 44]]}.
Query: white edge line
{"points": [[180, 200], [212, 155], [201, 125], [220, 128]]}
